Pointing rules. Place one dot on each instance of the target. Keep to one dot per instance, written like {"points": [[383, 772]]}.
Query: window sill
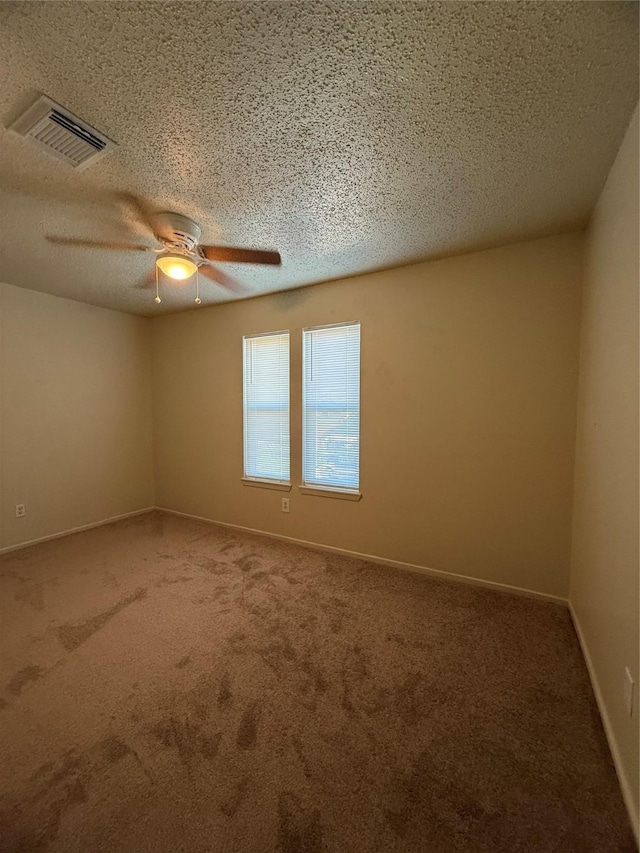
{"points": [[279, 485], [328, 492]]}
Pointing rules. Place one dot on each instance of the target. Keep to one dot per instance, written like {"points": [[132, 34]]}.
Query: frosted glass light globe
{"points": [[176, 267]]}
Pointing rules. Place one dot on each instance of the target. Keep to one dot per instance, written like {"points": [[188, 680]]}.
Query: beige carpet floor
{"points": [[169, 685]]}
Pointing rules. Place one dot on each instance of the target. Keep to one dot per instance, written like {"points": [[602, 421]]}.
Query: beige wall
{"points": [[604, 575], [75, 414], [469, 376]]}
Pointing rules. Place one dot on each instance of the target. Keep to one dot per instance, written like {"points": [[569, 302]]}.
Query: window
{"points": [[266, 407], [331, 407]]}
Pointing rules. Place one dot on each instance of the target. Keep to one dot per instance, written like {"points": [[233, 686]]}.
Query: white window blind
{"points": [[331, 407], [266, 406]]}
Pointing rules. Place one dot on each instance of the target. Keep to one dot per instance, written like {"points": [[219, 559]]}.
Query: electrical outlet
{"points": [[20, 511], [628, 691], [285, 504]]}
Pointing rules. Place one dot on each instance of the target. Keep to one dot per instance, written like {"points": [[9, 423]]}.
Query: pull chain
{"points": [[197, 299], [157, 299]]}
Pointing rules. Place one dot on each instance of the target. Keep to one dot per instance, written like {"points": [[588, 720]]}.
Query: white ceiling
{"points": [[348, 135]]}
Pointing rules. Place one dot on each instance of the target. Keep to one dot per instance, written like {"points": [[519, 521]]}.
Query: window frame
{"points": [[330, 490], [249, 479]]}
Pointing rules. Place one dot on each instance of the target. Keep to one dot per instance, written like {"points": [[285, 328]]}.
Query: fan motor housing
{"points": [[179, 231]]}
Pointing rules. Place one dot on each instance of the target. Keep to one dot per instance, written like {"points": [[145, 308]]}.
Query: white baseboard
{"points": [[384, 561], [75, 530], [608, 728]]}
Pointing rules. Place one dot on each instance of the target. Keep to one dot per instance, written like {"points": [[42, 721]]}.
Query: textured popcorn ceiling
{"points": [[350, 135]]}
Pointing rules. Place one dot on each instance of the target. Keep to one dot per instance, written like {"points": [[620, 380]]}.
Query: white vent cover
{"points": [[62, 134]]}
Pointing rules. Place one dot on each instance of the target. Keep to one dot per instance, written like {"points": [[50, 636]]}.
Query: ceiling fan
{"points": [[180, 254]]}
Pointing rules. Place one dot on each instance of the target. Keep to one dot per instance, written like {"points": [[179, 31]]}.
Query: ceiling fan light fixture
{"points": [[176, 267]]}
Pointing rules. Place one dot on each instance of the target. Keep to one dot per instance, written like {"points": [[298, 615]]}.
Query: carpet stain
{"points": [[301, 755], [247, 563], [67, 768], [114, 748], [410, 706], [32, 825], [199, 706], [320, 683], [247, 735], [169, 580], [187, 737], [225, 696], [213, 566], [72, 636], [232, 803], [237, 643], [405, 643], [33, 596], [398, 820], [276, 655], [185, 661], [356, 663], [432, 797], [259, 574], [23, 677], [299, 829]]}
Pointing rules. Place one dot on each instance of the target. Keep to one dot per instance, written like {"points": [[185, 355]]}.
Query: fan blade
{"points": [[220, 278], [242, 256], [97, 244], [147, 281], [145, 215]]}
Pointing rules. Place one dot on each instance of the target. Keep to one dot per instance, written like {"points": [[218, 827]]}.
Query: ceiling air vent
{"points": [[62, 134]]}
